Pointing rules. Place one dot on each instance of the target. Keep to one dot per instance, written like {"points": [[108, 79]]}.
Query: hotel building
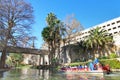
{"points": [[111, 26]]}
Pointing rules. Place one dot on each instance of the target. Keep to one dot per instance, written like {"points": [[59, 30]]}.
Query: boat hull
{"points": [[83, 71]]}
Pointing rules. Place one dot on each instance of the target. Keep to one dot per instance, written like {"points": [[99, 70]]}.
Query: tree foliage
{"points": [[52, 34], [15, 59], [16, 19], [98, 38], [15, 22]]}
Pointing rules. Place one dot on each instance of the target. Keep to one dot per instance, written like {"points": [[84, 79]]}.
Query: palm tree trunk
{"points": [[49, 54], [59, 52]]}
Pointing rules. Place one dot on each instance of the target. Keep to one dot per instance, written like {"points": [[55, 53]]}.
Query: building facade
{"points": [[111, 26]]}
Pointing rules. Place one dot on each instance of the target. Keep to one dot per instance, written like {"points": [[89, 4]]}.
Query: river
{"points": [[35, 74]]}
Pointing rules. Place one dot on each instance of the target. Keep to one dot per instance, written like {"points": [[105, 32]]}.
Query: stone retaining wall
{"points": [[115, 70]]}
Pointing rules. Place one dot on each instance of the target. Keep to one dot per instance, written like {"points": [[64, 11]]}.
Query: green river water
{"points": [[35, 74]]}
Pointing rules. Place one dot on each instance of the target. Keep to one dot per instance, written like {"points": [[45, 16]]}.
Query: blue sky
{"points": [[87, 12]]}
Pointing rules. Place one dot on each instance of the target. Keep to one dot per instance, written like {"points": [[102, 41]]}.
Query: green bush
{"points": [[78, 63], [113, 63], [113, 55], [104, 57]]}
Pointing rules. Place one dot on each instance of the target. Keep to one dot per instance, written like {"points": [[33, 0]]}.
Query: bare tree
{"points": [[15, 20], [72, 26]]}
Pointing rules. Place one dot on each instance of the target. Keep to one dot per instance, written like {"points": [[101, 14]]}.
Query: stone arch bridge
{"points": [[20, 50]]}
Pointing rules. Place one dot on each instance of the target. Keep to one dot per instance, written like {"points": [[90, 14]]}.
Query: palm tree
{"points": [[98, 38], [47, 38], [52, 34], [59, 32]]}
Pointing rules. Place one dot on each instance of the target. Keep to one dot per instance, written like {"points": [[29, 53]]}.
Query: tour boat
{"points": [[94, 68], [73, 70]]}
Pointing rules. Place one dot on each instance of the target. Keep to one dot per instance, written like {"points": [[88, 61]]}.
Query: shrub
{"points": [[78, 63], [113, 55], [114, 64], [104, 57]]}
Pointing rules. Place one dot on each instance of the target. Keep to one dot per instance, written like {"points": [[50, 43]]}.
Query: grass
{"points": [[24, 66]]}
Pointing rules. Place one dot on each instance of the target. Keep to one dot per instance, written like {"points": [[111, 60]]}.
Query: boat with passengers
{"points": [[93, 68]]}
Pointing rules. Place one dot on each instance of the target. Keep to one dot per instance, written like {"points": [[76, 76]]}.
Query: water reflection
{"points": [[1, 74], [44, 74], [35, 74], [83, 77]]}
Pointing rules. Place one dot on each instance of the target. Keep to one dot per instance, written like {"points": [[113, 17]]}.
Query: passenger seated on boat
{"points": [[95, 67], [68, 66], [85, 66], [63, 68], [96, 63], [99, 66], [106, 68], [80, 66]]}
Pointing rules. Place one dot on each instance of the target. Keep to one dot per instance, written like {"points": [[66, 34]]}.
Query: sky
{"points": [[88, 12]]}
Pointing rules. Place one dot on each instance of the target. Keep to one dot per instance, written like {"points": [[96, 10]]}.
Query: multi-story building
{"points": [[111, 26]]}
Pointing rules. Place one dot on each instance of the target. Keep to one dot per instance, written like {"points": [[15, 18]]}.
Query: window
{"points": [[103, 26], [86, 36], [108, 24], [109, 29], [105, 30], [110, 34], [91, 30], [118, 21], [114, 27], [115, 32], [113, 23]]}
